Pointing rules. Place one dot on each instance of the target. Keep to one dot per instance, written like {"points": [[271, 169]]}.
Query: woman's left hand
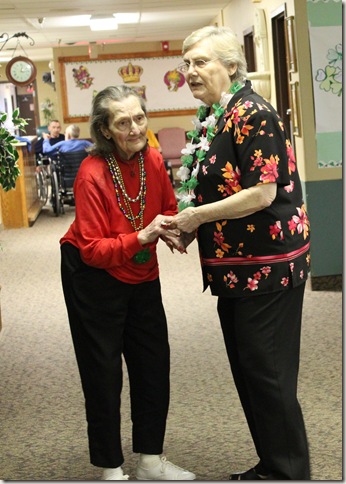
{"points": [[186, 221]]}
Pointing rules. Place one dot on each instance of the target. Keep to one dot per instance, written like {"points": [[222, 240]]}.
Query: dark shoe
{"points": [[250, 475]]}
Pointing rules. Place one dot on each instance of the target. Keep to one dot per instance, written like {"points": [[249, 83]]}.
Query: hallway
{"points": [[42, 425]]}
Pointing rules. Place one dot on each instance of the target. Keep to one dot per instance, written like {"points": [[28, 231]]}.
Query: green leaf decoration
{"points": [[182, 205], [9, 170], [218, 110], [187, 160], [192, 183], [201, 113], [200, 155]]}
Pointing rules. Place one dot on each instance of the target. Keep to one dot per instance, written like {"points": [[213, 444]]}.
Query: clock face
{"points": [[21, 71]]}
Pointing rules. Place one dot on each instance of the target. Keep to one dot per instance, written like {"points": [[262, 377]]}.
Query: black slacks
{"points": [[108, 319], [262, 338]]}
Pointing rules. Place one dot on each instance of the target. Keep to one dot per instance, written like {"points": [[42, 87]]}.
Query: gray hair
{"points": [[225, 46], [100, 115], [73, 130]]}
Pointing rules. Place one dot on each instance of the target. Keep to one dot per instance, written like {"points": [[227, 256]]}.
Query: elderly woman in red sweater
{"points": [[111, 285]]}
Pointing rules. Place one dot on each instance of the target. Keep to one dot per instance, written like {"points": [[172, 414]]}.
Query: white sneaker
{"points": [[163, 471], [114, 475]]}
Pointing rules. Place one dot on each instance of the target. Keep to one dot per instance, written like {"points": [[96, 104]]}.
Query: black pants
{"points": [[262, 337], [108, 319]]}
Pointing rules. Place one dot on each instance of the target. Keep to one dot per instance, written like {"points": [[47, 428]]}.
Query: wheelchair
{"points": [[64, 168]]}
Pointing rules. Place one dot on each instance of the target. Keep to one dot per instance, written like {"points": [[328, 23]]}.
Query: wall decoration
{"points": [[47, 108], [330, 76], [325, 32], [82, 77], [290, 41], [152, 74], [130, 73], [174, 80]]}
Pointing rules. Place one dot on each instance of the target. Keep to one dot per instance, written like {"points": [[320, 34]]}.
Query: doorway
{"points": [[281, 69], [24, 98], [28, 107]]}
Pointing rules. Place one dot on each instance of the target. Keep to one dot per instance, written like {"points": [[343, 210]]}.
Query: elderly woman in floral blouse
{"points": [[241, 196]]}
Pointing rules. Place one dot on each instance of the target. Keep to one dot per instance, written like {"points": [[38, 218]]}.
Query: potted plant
{"points": [[9, 170]]}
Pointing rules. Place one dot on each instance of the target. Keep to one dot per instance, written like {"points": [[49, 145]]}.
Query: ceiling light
{"points": [[103, 22]]}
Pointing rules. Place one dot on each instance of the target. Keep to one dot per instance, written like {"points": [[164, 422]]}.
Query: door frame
{"points": [[281, 68]]}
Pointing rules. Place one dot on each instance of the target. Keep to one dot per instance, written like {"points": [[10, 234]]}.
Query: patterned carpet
{"points": [[42, 424]]}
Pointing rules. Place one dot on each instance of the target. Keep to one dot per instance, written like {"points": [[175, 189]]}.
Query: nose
{"points": [[191, 69], [134, 128]]}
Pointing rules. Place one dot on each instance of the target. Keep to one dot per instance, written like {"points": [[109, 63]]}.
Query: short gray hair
{"points": [[73, 130], [225, 46], [100, 115]]}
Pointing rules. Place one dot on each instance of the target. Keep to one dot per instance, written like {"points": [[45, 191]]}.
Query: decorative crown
{"points": [[130, 73]]}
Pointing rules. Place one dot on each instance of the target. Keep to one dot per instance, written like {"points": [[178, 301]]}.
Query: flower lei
{"points": [[201, 138]]}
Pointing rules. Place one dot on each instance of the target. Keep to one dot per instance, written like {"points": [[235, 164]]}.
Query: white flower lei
{"points": [[197, 148]]}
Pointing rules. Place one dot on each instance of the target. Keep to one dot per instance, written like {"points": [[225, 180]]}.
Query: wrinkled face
{"points": [[127, 126], [207, 81], [54, 129]]}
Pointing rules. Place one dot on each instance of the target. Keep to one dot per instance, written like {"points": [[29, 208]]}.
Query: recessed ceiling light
{"points": [[103, 22]]}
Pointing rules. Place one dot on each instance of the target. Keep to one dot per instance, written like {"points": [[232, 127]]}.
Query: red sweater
{"points": [[101, 232]]}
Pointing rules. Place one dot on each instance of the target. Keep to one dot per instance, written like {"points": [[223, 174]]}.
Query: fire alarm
{"points": [[165, 45]]}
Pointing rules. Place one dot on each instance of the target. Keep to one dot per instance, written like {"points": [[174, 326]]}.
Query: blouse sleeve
{"points": [[262, 146]]}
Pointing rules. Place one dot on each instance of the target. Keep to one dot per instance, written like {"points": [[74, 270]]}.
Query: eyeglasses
{"points": [[196, 64]]}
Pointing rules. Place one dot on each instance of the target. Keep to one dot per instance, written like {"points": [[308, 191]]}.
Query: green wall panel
{"points": [[329, 149], [324, 12], [324, 201]]}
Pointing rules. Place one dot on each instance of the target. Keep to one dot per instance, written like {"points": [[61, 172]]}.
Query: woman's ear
{"points": [[105, 133], [232, 70]]}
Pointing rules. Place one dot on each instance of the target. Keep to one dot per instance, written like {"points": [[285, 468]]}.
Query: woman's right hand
{"points": [[156, 229], [187, 220]]}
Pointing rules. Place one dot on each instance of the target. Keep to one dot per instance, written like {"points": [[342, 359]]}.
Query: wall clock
{"points": [[21, 71]]}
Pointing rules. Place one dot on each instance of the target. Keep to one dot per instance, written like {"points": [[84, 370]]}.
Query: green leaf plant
{"points": [[9, 170]]}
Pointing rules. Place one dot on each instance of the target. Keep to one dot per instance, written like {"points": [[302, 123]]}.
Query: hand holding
{"points": [[186, 221], [155, 229], [174, 242]]}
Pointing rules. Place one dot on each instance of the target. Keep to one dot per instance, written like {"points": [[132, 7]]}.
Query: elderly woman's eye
{"points": [[122, 125], [200, 63]]}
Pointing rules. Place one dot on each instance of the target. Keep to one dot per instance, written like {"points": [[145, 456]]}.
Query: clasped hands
{"points": [[176, 231], [180, 230]]}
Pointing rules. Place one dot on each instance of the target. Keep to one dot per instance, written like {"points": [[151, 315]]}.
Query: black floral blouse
{"points": [[269, 250]]}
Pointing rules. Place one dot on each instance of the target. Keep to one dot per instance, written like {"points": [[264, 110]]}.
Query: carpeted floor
{"points": [[42, 423]]}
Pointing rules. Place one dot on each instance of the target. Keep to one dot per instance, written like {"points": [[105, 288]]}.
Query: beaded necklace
{"points": [[119, 186], [201, 138]]}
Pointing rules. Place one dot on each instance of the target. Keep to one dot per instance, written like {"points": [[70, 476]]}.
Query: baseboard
{"points": [[326, 283]]}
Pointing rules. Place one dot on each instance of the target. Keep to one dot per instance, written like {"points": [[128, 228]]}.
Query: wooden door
{"points": [[281, 70]]}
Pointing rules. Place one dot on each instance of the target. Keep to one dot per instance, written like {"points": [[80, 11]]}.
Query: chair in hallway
{"points": [[172, 141]]}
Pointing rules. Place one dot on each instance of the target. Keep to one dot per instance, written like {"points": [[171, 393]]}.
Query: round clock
{"points": [[21, 71]]}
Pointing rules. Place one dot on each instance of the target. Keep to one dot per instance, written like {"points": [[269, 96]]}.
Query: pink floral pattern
{"points": [[268, 250]]}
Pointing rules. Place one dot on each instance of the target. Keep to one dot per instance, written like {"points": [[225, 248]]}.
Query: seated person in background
{"points": [[153, 142], [55, 135], [71, 142]]}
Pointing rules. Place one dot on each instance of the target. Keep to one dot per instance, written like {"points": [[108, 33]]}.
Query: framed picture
{"points": [[295, 108], [153, 74], [291, 45]]}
